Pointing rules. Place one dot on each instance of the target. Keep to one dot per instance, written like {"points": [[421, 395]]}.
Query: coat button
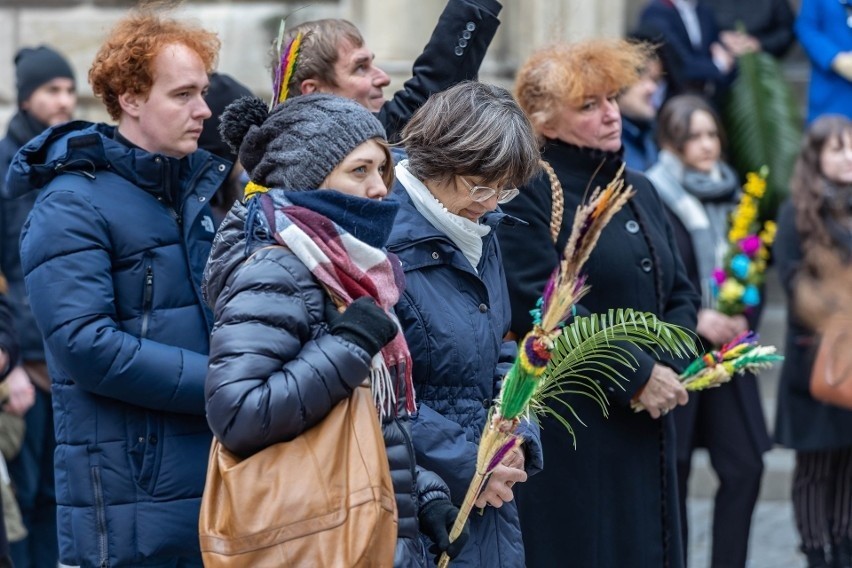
{"points": [[483, 308], [459, 51], [646, 264], [152, 439], [486, 403], [141, 439], [462, 42], [221, 167], [466, 34], [470, 26], [632, 226], [436, 256], [201, 199]]}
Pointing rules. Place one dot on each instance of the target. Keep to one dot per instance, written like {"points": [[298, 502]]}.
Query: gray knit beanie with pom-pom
{"points": [[300, 142]]}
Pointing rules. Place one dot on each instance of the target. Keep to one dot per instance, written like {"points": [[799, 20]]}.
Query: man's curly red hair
{"points": [[124, 62]]}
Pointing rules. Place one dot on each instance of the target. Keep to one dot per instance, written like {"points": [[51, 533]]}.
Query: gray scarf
{"points": [[703, 203]]}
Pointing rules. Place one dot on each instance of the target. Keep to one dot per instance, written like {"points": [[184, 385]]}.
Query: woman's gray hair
{"points": [[472, 130]]}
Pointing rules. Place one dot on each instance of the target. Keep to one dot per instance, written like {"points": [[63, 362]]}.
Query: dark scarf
{"points": [[368, 220], [24, 127]]}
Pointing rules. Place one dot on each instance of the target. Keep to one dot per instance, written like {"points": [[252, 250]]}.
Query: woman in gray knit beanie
{"points": [[295, 146], [284, 352]]}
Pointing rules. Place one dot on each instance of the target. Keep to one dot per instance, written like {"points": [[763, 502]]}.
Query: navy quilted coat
{"points": [[113, 254], [454, 320]]}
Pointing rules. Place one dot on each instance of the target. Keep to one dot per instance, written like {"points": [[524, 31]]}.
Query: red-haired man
{"points": [[113, 254]]}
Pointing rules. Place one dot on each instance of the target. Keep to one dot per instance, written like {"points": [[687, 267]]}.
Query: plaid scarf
{"points": [[348, 268]]}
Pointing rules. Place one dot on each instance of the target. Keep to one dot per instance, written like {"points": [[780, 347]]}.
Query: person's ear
{"points": [[547, 130], [130, 103], [309, 86]]}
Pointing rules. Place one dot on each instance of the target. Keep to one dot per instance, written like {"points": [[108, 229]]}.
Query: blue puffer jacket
{"points": [[113, 254], [454, 321], [275, 371]]}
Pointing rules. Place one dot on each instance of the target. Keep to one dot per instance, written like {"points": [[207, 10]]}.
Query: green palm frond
{"points": [[594, 349], [763, 125]]}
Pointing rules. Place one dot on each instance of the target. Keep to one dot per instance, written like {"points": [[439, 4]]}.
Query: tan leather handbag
{"points": [[831, 376], [322, 499]]}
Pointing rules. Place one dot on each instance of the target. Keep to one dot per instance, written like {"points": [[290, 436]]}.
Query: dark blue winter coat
{"points": [[454, 321], [113, 254]]}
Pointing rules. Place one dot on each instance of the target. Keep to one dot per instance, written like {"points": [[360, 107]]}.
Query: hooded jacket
{"points": [[112, 255], [275, 305]]}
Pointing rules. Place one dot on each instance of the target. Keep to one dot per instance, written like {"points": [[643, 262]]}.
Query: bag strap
{"points": [[557, 210]]}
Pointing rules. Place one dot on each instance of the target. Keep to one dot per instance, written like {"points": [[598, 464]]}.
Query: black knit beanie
{"points": [[36, 66], [223, 91], [301, 141]]}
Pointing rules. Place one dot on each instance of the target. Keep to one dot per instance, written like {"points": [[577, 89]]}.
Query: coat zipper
{"points": [[147, 298], [103, 543]]}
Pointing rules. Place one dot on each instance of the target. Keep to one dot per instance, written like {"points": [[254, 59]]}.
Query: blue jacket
{"points": [[823, 31], [454, 321], [113, 254], [688, 68]]}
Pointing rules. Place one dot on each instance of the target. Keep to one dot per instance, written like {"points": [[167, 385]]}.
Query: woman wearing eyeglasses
{"points": [[468, 148], [612, 501]]}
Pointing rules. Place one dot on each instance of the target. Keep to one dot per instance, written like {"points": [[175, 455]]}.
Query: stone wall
{"points": [[395, 29]]}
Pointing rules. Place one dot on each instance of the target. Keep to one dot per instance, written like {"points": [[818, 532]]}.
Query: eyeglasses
{"points": [[480, 193]]}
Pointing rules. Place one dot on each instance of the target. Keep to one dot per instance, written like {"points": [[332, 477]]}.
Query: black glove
{"points": [[365, 324], [436, 521]]}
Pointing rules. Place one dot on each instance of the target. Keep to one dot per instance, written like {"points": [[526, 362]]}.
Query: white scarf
{"points": [[465, 234]]}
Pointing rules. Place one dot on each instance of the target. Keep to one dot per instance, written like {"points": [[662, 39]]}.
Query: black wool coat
{"points": [[613, 500], [454, 53], [801, 422]]}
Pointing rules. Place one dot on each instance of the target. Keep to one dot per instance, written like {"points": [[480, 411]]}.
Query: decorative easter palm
{"points": [[741, 354], [286, 61], [555, 361]]}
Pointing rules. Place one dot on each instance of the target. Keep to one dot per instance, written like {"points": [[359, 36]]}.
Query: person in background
{"points": [[9, 355], [468, 148], [47, 97], [223, 90], [700, 191], [323, 162], [813, 254], [112, 254], [694, 59], [639, 104], [334, 58], [824, 28], [613, 500], [767, 25]]}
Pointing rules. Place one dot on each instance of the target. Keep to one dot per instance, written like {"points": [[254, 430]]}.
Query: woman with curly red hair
{"points": [[612, 500]]}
